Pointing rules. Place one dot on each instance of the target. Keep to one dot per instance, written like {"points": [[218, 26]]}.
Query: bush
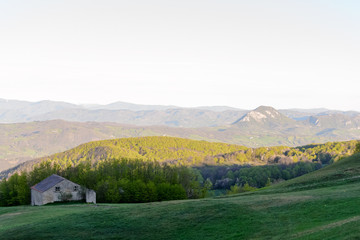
{"points": [[65, 196], [239, 189]]}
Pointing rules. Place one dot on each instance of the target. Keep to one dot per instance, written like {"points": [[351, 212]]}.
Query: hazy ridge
{"points": [[30, 134]]}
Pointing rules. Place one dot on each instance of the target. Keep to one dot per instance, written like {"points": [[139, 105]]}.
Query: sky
{"points": [[284, 54]]}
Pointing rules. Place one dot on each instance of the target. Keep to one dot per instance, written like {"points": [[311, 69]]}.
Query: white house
{"points": [[56, 188]]}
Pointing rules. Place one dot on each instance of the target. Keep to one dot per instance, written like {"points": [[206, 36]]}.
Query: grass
{"points": [[321, 205], [339, 173]]}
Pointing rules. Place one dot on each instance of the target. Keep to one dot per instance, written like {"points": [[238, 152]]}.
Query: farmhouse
{"points": [[56, 188]]}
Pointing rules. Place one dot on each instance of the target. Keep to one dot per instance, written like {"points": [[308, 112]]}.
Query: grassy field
{"points": [[321, 205]]}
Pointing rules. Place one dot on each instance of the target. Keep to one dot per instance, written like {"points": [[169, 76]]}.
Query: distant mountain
{"points": [[304, 114], [334, 112], [269, 118], [336, 121], [34, 129], [298, 115], [172, 117], [311, 111], [265, 117], [12, 111], [12, 104]]}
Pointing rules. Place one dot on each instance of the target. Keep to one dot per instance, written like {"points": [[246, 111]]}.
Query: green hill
{"points": [[339, 173], [321, 205], [179, 151]]}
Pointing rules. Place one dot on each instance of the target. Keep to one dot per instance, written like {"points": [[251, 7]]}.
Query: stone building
{"points": [[56, 188]]}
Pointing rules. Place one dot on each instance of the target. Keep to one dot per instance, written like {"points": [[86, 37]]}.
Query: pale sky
{"points": [[285, 54]]}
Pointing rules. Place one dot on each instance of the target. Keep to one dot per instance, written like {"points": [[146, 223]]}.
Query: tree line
{"points": [[224, 177], [185, 152], [136, 181], [114, 180], [170, 168]]}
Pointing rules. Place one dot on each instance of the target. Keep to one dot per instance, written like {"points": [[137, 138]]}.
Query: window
{"points": [[57, 189], [76, 188]]}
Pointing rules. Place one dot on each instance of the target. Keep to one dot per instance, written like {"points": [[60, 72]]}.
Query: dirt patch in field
{"points": [[327, 226]]}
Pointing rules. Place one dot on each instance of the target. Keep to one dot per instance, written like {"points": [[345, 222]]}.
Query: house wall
{"points": [[36, 198], [90, 196], [66, 187]]}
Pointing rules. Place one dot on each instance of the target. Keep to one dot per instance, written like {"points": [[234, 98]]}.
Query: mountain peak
{"points": [[261, 114], [264, 108], [267, 110]]}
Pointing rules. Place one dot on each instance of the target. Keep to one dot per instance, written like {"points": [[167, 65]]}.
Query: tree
{"points": [[239, 189], [4, 193], [357, 148], [268, 183], [206, 187]]}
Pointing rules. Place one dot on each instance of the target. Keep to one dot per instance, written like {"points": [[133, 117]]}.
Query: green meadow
{"points": [[324, 204]]}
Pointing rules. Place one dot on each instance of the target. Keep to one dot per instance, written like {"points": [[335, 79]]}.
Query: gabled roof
{"points": [[48, 183]]}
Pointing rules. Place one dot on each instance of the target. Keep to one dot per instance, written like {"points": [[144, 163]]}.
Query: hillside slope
{"points": [[264, 126], [187, 152], [341, 172], [20, 142], [326, 211], [24, 141]]}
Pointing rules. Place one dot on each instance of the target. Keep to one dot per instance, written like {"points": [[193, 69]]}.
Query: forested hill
{"points": [[179, 151]]}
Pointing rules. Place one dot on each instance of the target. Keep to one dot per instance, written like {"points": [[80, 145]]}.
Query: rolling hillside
{"points": [[339, 173], [264, 126], [187, 152], [320, 205], [24, 141], [20, 142]]}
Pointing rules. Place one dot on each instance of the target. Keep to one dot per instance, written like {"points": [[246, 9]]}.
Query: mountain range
{"points": [[14, 111], [35, 129]]}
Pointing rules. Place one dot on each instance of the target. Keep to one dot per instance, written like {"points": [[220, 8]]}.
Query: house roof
{"points": [[48, 183]]}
